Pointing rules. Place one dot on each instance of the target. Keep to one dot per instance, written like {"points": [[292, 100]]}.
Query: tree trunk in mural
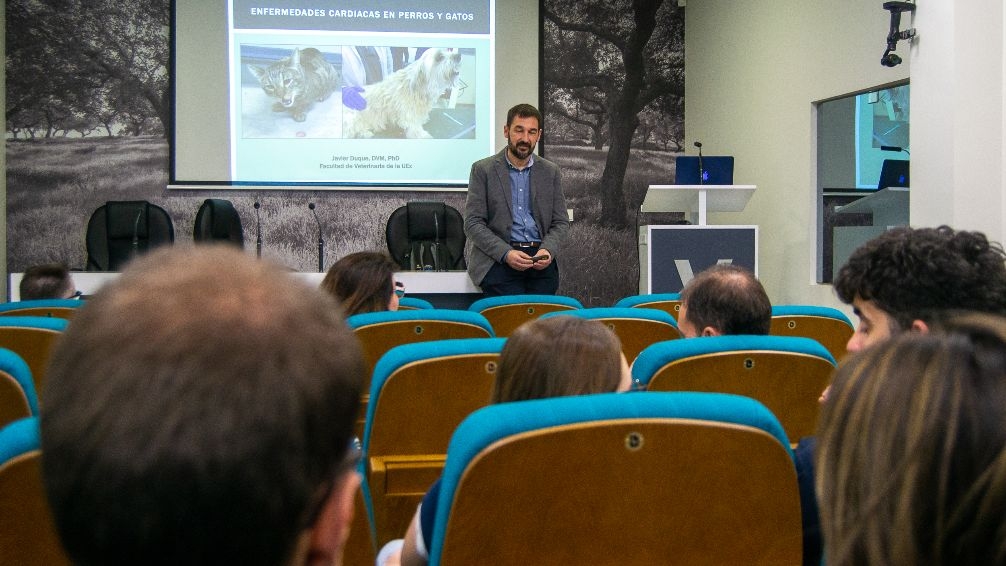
{"points": [[625, 55]]}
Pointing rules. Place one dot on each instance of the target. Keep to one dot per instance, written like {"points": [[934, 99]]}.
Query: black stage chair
{"points": [[217, 221], [119, 230], [427, 236]]}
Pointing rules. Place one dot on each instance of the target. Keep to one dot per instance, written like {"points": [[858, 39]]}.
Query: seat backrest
{"points": [[636, 328], [683, 478], [27, 532], [787, 374], [218, 221], [18, 398], [412, 303], [426, 236], [827, 325], [32, 338], [59, 308], [118, 230], [507, 312], [667, 302], [419, 394], [378, 332]]}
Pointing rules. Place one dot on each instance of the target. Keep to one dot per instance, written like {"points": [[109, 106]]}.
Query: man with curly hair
{"points": [[905, 280], [906, 277]]}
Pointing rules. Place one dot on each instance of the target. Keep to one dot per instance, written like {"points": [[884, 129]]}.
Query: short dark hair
{"points": [[558, 356], [362, 282], [914, 273], [523, 111], [46, 281], [198, 411], [728, 298]]}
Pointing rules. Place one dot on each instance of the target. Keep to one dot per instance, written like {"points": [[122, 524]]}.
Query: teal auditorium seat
{"points": [[619, 478], [413, 303], [787, 374], [27, 532], [828, 326], [667, 302], [18, 398], [32, 338], [637, 328], [508, 312], [418, 396], [60, 308]]}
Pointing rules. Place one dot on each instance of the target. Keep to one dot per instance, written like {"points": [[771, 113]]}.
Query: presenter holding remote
{"points": [[515, 215]]}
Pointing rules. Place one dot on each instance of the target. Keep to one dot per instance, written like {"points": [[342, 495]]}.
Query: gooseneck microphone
{"points": [[702, 180], [258, 231], [136, 232], [321, 240], [436, 242]]}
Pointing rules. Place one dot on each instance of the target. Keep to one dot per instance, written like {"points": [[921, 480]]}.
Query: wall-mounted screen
{"points": [[315, 94]]}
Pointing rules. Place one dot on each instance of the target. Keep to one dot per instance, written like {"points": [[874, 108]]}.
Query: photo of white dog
{"points": [[403, 99]]}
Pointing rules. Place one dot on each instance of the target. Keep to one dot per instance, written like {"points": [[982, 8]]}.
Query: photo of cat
{"points": [[287, 92]]}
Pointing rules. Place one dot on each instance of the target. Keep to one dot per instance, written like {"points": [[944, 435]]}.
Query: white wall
{"points": [[957, 116], [753, 71]]}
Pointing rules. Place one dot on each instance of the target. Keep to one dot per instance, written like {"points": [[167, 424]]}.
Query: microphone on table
{"points": [[702, 181], [258, 231], [321, 240]]}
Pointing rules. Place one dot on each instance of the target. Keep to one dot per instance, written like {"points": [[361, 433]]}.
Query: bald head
{"points": [[197, 411], [724, 299]]}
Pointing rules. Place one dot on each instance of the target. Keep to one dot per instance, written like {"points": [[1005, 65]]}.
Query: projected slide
{"points": [[389, 93]]}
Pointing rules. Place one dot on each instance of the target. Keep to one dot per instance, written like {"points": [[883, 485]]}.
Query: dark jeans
{"points": [[505, 280]]}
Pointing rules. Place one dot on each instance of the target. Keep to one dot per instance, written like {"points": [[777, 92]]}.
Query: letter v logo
{"points": [[684, 267]]}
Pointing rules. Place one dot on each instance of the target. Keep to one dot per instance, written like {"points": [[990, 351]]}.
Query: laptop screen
{"points": [[716, 170], [894, 173]]}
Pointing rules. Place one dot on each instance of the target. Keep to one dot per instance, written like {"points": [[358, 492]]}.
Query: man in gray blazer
{"points": [[515, 214]]}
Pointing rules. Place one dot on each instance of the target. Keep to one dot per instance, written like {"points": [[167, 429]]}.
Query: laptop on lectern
{"points": [[893, 173], [716, 170]]}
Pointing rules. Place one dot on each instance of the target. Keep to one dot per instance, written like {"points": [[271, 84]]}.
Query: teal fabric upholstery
{"points": [[653, 358], [41, 303], [490, 302], [415, 303], [15, 366], [635, 300], [17, 438], [497, 422], [467, 317], [618, 312], [48, 323], [811, 310]]}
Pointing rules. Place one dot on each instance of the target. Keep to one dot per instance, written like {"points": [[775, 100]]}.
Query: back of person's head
{"points": [[912, 273], [729, 299], [559, 356], [362, 282], [46, 281], [911, 453], [199, 410]]}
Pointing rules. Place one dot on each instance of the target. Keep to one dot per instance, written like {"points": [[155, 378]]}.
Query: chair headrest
{"points": [[811, 310], [618, 312], [125, 218], [46, 322], [365, 319], [18, 437], [490, 302], [420, 220]]}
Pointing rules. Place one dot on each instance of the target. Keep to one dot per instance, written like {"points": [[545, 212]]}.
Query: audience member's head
{"points": [[364, 282], [724, 300], [911, 453], [199, 410], [560, 356], [47, 281], [905, 277]]}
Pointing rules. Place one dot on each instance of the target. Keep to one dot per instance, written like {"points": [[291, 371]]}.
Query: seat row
{"points": [[421, 392]]}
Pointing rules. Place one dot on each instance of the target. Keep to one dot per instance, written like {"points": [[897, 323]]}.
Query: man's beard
{"points": [[522, 150]]}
